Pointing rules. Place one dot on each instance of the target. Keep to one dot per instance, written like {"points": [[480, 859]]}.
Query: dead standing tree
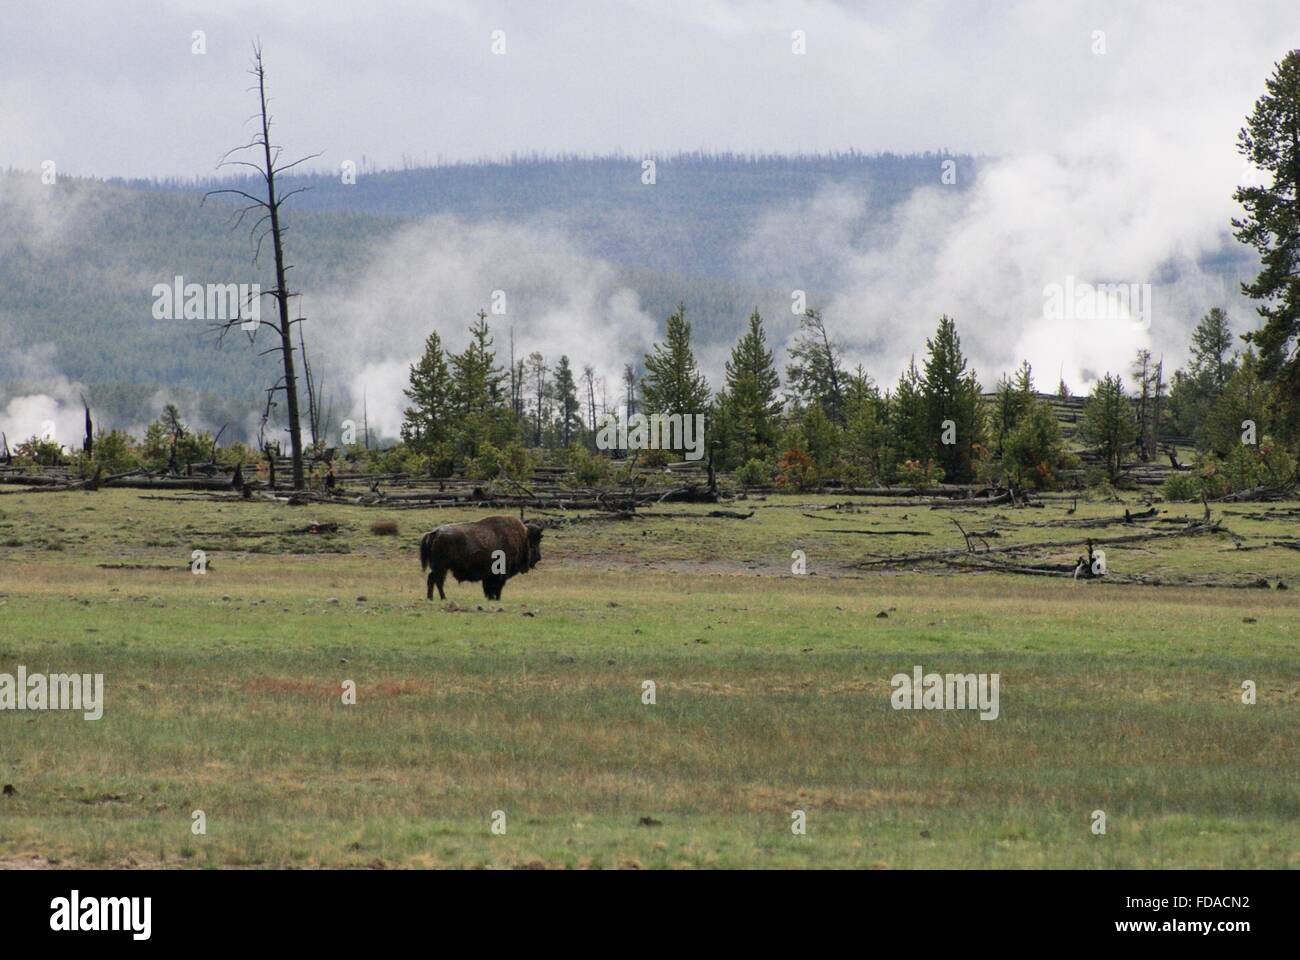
{"points": [[269, 223]]}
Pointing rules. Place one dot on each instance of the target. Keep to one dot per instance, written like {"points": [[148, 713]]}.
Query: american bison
{"points": [[492, 550]]}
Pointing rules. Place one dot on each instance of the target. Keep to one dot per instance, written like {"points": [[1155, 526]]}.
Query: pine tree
{"points": [[476, 376], [868, 442], [1271, 226], [1012, 399], [749, 406], [673, 383], [907, 416], [814, 374], [1195, 392], [952, 394], [476, 393], [1108, 424], [426, 424], [1244, 397], [568, 409], [1143, 377], [1034, 450], [537, 371], [629, 390], [1211, 362]]}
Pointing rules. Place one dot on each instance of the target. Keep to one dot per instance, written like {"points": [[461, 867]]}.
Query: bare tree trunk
{"points": [[270, 207], [281, 290], [313, 407], [365, 415], [88, 444]]}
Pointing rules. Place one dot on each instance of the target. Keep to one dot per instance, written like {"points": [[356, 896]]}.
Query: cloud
{"points": [[987, 257], [47, 404], [1116, 159], [414, 79], [437, 275], [39, 217], [1112, 168]]}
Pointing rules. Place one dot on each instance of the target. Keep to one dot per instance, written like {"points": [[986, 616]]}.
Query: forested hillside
{"points": [[79, 259], [686, 223]]}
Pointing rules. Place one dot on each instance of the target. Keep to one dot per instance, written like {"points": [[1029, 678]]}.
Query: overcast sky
{"points": [[1110, 126], [111, 88]]}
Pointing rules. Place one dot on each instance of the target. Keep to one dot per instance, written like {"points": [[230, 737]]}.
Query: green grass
{"points": [[223, 694]]}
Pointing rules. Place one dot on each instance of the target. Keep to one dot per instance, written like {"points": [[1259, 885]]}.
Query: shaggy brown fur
{"points": [[492, 550]]}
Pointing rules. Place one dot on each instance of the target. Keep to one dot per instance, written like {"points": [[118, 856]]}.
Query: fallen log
{"points": [[875, 533], [35, 480], [168, 483], [1196, 529], [1258, 493], [974, 502], [643, 515], [1128, 518], [1132, 580]]}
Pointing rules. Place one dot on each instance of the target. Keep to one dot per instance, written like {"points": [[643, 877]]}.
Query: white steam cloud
{"points": [[438, 274], [50, 409], [986, 256]]}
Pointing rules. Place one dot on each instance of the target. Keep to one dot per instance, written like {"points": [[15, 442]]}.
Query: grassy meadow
{"points": [[224, 692]]}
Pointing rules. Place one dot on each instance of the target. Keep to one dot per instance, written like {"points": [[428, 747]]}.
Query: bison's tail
{"points": [[426, 550]]}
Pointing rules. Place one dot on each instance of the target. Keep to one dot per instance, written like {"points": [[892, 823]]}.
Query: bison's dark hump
{"points": [[470, 546]]}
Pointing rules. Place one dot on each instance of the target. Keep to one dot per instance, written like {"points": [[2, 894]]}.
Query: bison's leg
{"points": [[490, 587], [437, 576]]}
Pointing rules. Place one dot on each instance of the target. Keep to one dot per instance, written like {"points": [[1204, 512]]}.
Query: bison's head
{"points": [[534, 542]]}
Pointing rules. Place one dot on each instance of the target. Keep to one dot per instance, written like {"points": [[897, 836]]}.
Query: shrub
{"points": [[237, 452], [754, 473], [487, 465], [517, 462], [38, 452], [1095, 477], [1181, 486], [1034, 451], [796, 469], [114, 452], [922, 476], [588, 469], [398, 458], [384, 528], [655, 459]]}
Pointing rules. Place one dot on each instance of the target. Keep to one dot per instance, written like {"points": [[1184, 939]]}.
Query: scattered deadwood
{"points": [[1129, 518], [1259, 493], [167, 483], [1194, 529], [973, 502], [565, 519], [311, 528], [1291, 514], [1066, 571], [974, 562], [875, 533]]}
